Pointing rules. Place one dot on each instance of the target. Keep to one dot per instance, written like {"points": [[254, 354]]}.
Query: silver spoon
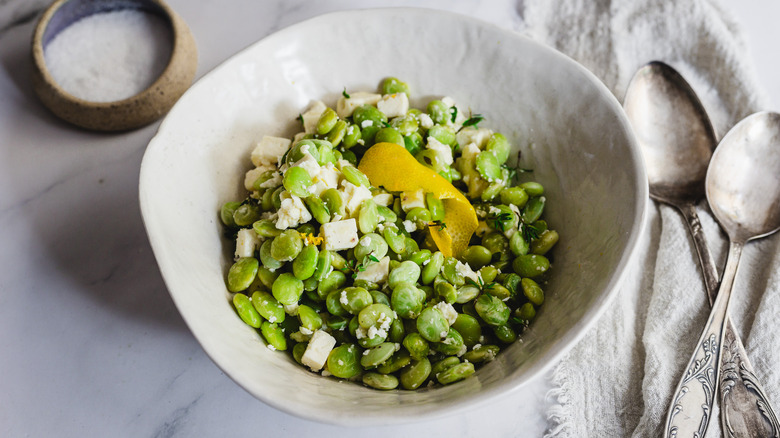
{"points": [[677, 139], [743, 190]]}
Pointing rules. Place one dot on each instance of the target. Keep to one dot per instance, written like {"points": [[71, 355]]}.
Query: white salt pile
{"points": [[110, 56]]}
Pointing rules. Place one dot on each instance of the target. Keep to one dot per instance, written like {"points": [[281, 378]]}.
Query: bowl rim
{"points": [[554, 353]]}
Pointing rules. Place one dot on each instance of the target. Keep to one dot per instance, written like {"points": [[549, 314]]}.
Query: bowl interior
{"points": [[571, 131]]}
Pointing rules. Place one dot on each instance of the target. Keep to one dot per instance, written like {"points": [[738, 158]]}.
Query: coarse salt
{"points": [[110, 56]]}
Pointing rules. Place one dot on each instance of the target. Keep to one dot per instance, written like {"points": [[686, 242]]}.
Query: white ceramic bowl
{"points": [[572, 131]]}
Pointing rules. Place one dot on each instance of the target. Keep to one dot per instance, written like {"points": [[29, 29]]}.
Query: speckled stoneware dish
{"points": [[133, 112], [572, 130]]}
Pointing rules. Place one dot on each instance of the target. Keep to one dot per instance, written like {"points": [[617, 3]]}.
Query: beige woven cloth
{"points": [[618, 380]]}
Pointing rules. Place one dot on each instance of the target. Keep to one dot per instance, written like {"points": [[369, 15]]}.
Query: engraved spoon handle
{"points": [[692, 401], [745, 408]]}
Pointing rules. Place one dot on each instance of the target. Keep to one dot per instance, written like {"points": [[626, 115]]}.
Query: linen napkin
{"points": [[619, 379]]}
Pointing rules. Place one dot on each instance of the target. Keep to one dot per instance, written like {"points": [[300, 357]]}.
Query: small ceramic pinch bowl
{"points": [[130, 113], [572, 132]]}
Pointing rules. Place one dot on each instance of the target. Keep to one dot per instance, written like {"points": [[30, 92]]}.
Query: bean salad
{"points": [[387, 245]]}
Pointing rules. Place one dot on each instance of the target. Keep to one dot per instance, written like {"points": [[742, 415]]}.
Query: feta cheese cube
{"points": [[316, 353], [443, 151], [376, 272], [312, 115], [268, 151], [329, 175], [345, 106], [410, 200], [383, 199], [247, 242], [470, 134], [353, 196], [394, 105], [470, 151], [340, 235], [292, 212]]}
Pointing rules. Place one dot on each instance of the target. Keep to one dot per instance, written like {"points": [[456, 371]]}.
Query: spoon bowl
{"points": [[743, 182], [673, 132]]}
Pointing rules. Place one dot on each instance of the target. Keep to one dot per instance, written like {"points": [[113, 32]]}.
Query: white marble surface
{"points": [[90, 342]]}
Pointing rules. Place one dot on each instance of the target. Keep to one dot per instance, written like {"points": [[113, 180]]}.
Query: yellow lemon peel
{"points": [[393, 167]]}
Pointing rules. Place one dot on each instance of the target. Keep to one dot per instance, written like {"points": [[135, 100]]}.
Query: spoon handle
{"points": [[707, 262], [692, 401], [745, 409]]}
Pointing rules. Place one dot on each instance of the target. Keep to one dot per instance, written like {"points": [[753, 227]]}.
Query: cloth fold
{"points": [[619, 379]]}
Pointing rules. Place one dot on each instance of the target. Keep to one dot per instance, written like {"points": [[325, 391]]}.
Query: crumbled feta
{"points": [[425, 121], [410, 200], [343, 299], [366, 123], [353, 196], [268, 150], [247, 242], [292, 212], [291, 309], [275, 181], [312, 116], [305, 331], [298, 137], [374, 331], [345, 106], [410, 226], [360, 333], [443, 151], [394, 105], [449, 312], [460, 116], [375, 272], [340, 235], [383, 199], [316, 353], [466, 271]]}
